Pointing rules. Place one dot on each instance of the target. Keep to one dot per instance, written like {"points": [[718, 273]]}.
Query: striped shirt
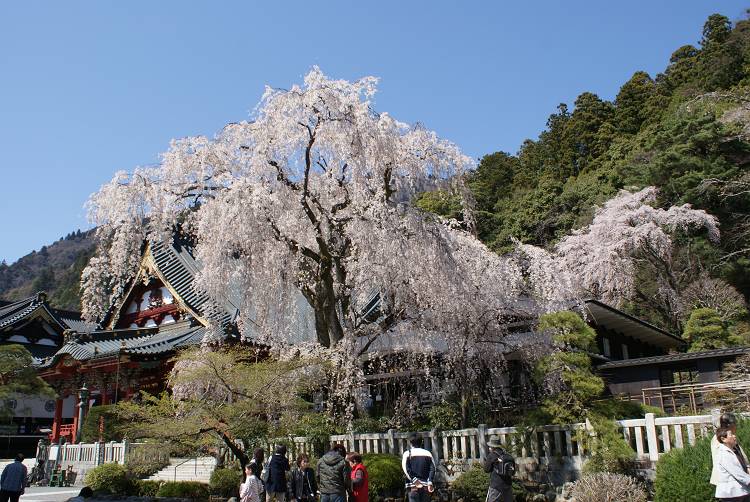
{"points": [[13, 478]]}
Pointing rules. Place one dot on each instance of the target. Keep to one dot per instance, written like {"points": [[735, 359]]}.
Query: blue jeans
{"points": [[332, 497]]}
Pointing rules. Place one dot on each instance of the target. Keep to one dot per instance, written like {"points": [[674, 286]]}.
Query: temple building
{"points": [[160, 312], [36, 326]]}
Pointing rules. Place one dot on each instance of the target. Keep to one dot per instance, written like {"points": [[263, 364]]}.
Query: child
{"points": [[250, 489]]}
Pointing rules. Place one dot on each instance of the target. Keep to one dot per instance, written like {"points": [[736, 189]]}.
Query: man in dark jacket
{"points": [[501, 489], [419, 467], [276, 486], [333, 475]]}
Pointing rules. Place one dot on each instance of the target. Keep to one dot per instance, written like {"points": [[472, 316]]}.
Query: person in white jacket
{"points": [[733, 483], [727, 421], [250, 489]]}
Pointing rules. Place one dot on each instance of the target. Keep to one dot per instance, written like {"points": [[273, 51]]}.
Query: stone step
{"points": [[187, 470]]}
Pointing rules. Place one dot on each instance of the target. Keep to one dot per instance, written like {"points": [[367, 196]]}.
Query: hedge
{"points": [[225, 482], [386, 479], [184, 489], [110, 478]]}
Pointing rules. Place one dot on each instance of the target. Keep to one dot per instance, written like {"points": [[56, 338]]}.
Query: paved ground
{"points": [[49, 494]]}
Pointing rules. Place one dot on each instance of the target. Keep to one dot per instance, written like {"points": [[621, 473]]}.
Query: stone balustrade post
{"points": [[482, 438], [392, 442], [652, 438]]}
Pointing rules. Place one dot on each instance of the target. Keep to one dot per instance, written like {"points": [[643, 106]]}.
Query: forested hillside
{"points": [[55, 269], [685, 131]]}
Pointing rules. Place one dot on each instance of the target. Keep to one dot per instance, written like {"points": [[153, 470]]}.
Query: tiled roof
{"points": [[13, 312], [140, 341], [179, 267], [685, 356]]}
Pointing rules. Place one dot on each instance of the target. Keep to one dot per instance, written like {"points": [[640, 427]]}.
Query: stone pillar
{"points": [[715, 417], [435, 446], [482, 438], [652, 438], [392, 442]]}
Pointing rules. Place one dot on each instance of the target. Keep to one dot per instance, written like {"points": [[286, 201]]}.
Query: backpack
{"points": [[505, 466], [265, 473]]}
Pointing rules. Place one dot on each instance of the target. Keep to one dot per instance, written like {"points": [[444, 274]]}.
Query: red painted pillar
{"points": [[75, 421], [105, 397], [57, 420]]}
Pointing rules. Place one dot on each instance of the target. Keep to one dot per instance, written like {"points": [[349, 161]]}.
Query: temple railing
{"points": [[543, 453], [84, 456]]}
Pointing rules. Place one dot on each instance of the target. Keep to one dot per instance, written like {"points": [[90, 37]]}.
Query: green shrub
{"points": [[472, 484], [370, 424], [682, 474], [609, 450], [147, 487], [444, 416], [110, 478], [90, 427], [184, 489], [225, 482], [386, 479]]}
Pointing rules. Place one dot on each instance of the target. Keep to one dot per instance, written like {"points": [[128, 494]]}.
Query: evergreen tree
{"points": [[567, 372], [632, 102], [18, 377], [706, 331]]}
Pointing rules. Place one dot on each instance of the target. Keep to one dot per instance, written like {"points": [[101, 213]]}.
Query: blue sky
{"points": [[88, 88]]}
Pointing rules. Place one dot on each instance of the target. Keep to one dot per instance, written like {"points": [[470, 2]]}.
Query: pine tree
{"points": [[706, 331]]}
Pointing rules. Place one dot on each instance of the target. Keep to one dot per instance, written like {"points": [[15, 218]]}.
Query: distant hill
{"points": [[55, 269]]}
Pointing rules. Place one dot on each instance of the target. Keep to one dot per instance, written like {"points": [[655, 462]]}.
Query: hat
{"points": [[494, 443]]}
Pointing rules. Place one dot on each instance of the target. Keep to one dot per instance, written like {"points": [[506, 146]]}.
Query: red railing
{"points": [[67, 431]]}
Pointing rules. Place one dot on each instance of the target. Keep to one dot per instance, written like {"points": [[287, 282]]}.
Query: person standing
{"points": [[501, 466], [276, 485], [13, 480], [250, 489], [333, 475], [732, 480], [302, 485], [256, 465], [359, 478], [726, 421], [419, 467]]}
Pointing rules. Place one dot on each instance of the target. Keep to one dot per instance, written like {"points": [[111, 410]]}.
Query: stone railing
{"points": [[84, 456], [544, 453]]}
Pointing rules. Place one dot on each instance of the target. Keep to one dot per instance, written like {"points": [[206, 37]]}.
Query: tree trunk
{"points": [[236, 450], [324, 303]]}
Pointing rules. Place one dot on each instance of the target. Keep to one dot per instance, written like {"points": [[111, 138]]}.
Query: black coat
{"points": [[277, 467], [498, 482], [302, 485]]}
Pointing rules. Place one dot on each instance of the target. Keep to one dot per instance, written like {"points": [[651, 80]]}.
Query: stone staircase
{"points": [[187, 469]]}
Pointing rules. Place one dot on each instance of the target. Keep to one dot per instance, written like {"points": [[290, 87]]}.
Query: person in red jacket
{"points": [[359, 475]]}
